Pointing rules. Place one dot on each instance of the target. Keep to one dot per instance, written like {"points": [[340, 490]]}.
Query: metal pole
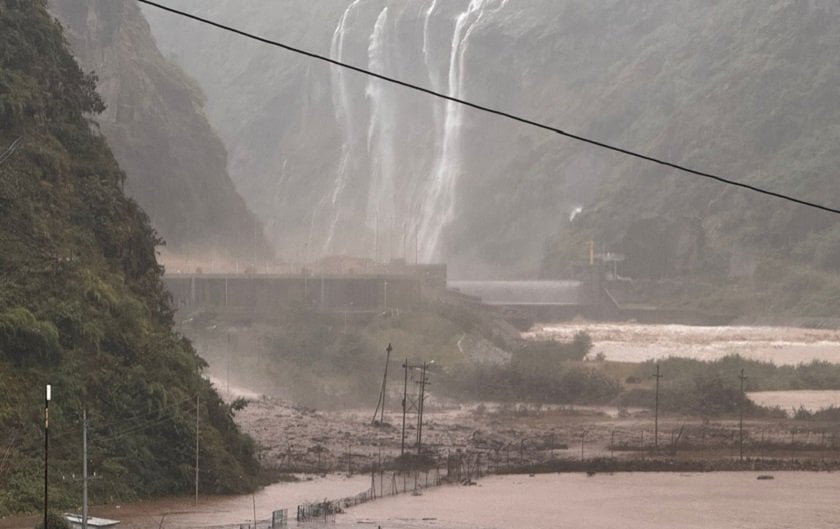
{"points": [[382, 392], [228, 360], [196, 447], [420, 406], [46, 451], [656, 412], [385, 382], [741, 418], [84, 471], [404, 403]]}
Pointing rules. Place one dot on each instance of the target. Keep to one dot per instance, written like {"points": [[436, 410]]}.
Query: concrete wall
{"points": [[325, 292]]}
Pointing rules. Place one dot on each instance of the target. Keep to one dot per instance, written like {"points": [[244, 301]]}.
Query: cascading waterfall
{"points": [[414, 200], [439, 201], [380, 139], [344, 115], [434, 78]]}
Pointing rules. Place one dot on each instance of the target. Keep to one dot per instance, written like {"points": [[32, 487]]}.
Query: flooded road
{"points": [[219, 511], [621, 501], [631, 342]]}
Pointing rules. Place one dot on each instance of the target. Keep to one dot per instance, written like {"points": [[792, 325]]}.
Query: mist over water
{"points": [[620, 501]]}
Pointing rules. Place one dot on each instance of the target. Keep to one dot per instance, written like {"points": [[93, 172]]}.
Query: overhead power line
{"points": [[494, 111]]}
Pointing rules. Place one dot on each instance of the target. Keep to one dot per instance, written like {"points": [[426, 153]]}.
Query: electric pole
{"points": [[84, 470], [742, 378], [380, 405], [420, 408], [196, 447], [404, 403], [46, 452], [657, 376]]}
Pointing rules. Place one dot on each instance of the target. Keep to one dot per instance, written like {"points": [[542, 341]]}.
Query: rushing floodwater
{"points": [[790, 401], [218, 511], [621, 501], [630, 342]]}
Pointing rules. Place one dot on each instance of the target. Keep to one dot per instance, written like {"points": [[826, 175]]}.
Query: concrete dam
{"points": [[520, 302]]}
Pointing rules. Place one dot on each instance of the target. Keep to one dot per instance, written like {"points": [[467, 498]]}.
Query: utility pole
{"points": [[196, 447], [742, 378], [404, 403], [380, 405], [46, 452], [657, 376], [227, 355], [84, 470], [420, 408]]}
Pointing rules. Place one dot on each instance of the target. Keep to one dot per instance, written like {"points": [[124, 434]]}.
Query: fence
{"points": [[381, 484]]}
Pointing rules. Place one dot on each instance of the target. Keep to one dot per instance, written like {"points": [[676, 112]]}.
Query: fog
{"points": [[334, 162]]}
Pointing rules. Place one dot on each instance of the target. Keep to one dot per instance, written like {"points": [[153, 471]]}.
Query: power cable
{"points": [[496, 112]]}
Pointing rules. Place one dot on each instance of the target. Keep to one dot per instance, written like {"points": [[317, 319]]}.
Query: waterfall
{"points": [[412, 194], [344, 117], [381, 130], [439, 201], [434, 78]]}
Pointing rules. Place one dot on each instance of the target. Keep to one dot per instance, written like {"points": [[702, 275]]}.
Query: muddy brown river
{"points": [[620, 501], [632, 342]]}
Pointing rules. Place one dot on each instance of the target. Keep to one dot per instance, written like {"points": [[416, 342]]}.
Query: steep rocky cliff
{"points": [[154, 121], [82, 304], [341, 162]]}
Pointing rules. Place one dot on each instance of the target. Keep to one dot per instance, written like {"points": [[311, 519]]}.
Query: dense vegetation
{"points": [[336, 360], [332, 360], [713, 388], [82, 306], [546, 371]]}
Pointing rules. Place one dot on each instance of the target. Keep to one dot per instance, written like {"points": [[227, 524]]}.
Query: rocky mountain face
{"points": [[154, 121], [82, 304], [336, 162]]}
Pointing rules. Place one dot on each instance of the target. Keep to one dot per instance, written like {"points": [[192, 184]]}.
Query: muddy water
{"points": [[790, 401], [220, 511], [625, 501], [630, 342]]}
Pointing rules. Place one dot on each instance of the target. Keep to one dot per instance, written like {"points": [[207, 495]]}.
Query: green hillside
{"points": [[82, 306]]}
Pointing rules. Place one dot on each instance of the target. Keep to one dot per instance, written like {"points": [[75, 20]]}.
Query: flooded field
{"points": [[619, 501], [630, 342], [790, 401]]}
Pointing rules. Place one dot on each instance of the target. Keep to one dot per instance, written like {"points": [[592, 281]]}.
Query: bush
{"points": [[26, 340]]}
